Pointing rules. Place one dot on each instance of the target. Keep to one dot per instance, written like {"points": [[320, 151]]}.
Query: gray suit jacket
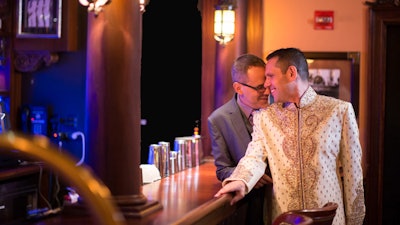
{"points": [[230, 133]]}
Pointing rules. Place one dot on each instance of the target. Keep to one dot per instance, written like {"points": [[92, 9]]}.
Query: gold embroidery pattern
{"points": [[302, 175], [358, 207], [241, 174]]}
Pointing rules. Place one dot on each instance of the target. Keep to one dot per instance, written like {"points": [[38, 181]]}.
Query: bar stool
{"points": [[292, 218], [320, 216]]}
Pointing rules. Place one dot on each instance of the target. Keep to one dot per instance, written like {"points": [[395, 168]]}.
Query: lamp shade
{"points": [[224, 23]]}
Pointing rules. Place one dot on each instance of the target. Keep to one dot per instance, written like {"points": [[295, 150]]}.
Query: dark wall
{"points": [[171, 71], [61, 89]]}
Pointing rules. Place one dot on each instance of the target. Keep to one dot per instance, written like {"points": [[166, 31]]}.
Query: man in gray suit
{"points": [[230, 128]]}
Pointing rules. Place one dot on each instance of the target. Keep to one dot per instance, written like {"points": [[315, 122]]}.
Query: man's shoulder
{"points": [[228, 107], [332, 100], [334, 103]]}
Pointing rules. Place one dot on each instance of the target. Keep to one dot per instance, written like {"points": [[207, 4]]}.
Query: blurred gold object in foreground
{"points": [[96, 195]]}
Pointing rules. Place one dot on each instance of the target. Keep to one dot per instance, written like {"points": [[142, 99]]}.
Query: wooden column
{"points": [[207, 70], [113, 102]]}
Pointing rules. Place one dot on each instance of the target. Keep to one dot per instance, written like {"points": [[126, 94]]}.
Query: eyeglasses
{"points": [[260, 88]]}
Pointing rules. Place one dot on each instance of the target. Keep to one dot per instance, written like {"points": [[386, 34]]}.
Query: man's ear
{"points": [[237, 87], [292, 72]]}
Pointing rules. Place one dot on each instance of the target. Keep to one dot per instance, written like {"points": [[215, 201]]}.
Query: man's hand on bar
{"points": [[237, 188]]}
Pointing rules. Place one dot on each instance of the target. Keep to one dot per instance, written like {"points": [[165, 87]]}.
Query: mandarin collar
{"points": [[306, 99]]}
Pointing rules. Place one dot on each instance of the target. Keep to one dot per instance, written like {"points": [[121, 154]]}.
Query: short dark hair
{"points": [[242, 64], [291, 57]]}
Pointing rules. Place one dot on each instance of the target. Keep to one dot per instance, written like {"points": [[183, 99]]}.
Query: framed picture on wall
{"points": [[39, 18], [335, 74]]}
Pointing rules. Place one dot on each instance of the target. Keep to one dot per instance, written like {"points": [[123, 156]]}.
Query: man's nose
{"points": [[267, 81]]}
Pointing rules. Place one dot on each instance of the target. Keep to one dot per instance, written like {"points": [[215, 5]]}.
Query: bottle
{"points": [[197, 146]]}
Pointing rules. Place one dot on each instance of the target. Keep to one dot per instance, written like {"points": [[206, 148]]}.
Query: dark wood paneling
{"points": [[383, 102]]}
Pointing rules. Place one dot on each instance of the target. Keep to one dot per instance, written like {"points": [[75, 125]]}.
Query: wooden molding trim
{"points": [[31, 61]]}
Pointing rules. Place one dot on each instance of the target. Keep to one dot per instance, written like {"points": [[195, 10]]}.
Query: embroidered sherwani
{"points": [[314, 156]]}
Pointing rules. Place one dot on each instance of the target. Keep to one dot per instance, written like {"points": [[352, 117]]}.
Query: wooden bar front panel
{"points": [[186, 197]]}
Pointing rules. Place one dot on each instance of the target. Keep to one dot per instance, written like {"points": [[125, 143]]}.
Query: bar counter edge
{"points": [[186, 198]]}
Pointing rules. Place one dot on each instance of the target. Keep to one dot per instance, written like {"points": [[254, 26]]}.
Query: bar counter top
{"points": [[186, 197]]}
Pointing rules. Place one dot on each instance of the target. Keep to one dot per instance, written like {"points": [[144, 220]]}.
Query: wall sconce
{"points": [[224, 21], [95, 6]]}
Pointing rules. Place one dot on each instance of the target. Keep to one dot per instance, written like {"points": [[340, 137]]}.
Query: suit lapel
{"points": [[242, 129]]}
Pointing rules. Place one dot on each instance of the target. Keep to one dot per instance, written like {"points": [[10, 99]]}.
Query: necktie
{"points": [[251, 118]]}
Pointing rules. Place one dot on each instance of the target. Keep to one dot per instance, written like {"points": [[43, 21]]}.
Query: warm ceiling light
{"points": [[142, 4], [95, 6], [224, 21]]}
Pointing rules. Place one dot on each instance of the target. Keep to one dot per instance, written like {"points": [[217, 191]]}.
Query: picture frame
{"points": [[39, 18], [335, 74]]}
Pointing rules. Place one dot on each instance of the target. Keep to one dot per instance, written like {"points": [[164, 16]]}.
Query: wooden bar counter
{"points": [[186, 197]]}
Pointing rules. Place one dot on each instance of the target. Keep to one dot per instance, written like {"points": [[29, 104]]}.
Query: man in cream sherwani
{"points": [[310, 141]]}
